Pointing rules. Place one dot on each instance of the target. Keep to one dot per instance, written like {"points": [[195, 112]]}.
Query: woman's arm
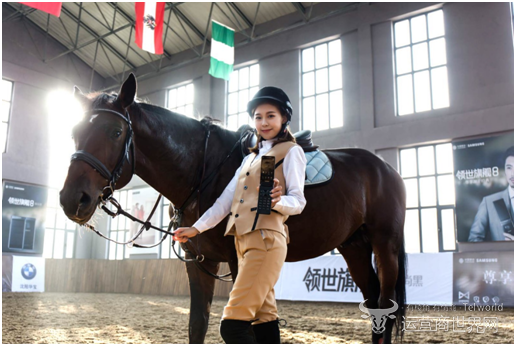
{"points": [[294, 166], [222, 205]]}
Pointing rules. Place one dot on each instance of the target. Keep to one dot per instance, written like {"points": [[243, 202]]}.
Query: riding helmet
{"points": [[274, 94]]}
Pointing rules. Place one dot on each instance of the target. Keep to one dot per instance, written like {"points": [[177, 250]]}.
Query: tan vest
{"points": [[243, 215]]}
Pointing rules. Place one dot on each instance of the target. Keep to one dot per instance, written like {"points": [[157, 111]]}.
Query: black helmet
{"points": [[274, 94]]}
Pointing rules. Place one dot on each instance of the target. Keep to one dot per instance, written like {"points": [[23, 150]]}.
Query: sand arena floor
{"points": [[84, 318]]}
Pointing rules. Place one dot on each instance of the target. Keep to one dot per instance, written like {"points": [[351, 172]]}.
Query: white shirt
{"points": [[292, 203]]}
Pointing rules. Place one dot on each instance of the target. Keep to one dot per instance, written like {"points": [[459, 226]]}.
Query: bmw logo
{"points": [[28, 271]]}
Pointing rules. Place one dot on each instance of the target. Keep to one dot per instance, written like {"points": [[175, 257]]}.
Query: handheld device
{"points": [[266, 185]]}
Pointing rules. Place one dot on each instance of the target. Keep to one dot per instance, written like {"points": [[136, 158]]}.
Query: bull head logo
{"points": [[378, 316]]}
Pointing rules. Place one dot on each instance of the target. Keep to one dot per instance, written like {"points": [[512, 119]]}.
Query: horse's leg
{"points": [[386, 259], [357, 254], [201, 295]]}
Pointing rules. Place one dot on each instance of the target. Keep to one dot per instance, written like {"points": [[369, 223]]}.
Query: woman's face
{"points": [[268, 120]]}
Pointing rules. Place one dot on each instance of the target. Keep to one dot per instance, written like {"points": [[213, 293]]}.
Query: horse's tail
{"points": [[401, 297]]}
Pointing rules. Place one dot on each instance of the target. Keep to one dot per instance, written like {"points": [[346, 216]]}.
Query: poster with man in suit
{"points": [[484, 182]]}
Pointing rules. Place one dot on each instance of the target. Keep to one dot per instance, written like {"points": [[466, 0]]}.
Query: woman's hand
{"points": [[183, 233], [275, 192]]}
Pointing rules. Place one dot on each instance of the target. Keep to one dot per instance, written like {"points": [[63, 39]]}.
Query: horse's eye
{"points": [[117, 133]]}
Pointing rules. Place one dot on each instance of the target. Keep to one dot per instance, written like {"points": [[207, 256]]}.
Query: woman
{"points": [[260, 240]]}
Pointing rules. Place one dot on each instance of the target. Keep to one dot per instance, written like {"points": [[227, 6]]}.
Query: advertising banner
{"points": [[28, 274], [141, 204], [23, 217], [483, 278], [327, 279], [484, 185]]}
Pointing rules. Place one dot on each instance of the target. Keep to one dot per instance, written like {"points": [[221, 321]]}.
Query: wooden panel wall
{"points": [[154, 277]]}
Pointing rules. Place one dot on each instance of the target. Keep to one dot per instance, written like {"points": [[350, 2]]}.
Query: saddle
{"points": [[318, 166]]}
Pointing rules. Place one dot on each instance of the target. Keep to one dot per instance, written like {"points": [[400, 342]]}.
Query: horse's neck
{"points": [[170, 154]]}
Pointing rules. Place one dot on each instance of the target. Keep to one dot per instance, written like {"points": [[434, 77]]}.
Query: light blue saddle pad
{"points": [[318, 168]]}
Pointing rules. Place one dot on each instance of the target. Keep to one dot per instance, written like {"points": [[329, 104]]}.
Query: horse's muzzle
{"points": [[78, 206]]}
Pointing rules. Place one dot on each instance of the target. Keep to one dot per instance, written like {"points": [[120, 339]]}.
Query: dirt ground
{"points": [[87, 318]]}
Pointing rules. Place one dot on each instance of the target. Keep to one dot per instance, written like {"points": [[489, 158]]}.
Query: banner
{"points": [[142, 202], [28, 274], [23, 217], [53, 8], [149, 26], [327, 279], [483, 278], [484, 185], [222, 50]]}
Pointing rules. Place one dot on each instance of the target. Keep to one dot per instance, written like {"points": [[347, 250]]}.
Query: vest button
{"points": [[236, 215], [245, 187], [230, 213], [247, 173], [241, 201]]}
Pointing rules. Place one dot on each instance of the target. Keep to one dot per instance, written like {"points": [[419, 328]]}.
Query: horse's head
{"points": [[103, 158]]}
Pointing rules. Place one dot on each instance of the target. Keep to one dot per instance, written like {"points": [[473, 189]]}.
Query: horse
{"points": [[360, 211]]}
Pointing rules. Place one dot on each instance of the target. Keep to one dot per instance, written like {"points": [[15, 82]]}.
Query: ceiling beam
{"points": [[189, 23], [301, 9], [241, 14]]}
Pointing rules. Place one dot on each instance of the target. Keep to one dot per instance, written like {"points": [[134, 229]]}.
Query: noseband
{"points": [[111, 177]]}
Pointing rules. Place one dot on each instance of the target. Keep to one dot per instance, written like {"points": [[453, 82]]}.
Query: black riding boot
{"points": [[237, 332], [267, 333]]}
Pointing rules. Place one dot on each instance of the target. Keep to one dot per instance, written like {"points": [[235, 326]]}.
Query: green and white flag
{"points": [[222, 50]]}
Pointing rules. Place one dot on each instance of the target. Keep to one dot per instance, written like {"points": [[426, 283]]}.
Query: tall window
{"points": [[243, 84], [120, 226], [322, 87], [59, 240], [7, 92], [430, 217], [181, 100], [420, 68]]}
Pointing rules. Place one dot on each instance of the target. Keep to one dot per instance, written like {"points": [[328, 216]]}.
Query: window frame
{"points": [[439, 208], [8, 122], [57, 210], [176, 87], [238, 90], [328, 92], [412, 72]]}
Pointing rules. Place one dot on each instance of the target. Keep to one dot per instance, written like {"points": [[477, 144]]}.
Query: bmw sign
{"points": [[28, 271]]}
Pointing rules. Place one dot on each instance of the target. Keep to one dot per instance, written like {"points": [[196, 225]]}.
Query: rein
{"points": [[175, 221]]}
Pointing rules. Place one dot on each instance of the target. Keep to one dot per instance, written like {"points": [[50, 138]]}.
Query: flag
{"points": [[149, 26], [222, 50], [48, 7]]}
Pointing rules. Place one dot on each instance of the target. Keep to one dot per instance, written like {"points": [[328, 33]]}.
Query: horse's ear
{"points": [[128, 91], [79, 96]]}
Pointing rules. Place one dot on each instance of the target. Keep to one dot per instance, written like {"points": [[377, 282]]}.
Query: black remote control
{"points": [[266, 185]]}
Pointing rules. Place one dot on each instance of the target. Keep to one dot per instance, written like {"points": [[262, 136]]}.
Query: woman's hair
{"points": [[286, 136]]}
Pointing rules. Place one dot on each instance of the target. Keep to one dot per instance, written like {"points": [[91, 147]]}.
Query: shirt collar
{"points": [[267, 143], [511, 192]]}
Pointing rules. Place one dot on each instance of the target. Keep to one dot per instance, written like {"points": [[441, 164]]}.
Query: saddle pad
{"points": [[318, 168]]}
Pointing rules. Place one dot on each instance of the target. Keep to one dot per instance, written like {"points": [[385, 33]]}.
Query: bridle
{"points": [[112, 178]]}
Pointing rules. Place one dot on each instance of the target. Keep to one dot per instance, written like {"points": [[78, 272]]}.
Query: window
{"points": [[430, 217], [420, 64], [120, 227], [242, 86], [7, 92], [59, 240], [181, 100], [322, 87]]}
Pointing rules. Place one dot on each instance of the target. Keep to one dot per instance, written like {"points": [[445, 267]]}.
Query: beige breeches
{"points": [[261, 255]]}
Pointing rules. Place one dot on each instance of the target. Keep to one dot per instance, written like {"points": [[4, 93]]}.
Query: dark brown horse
{"points": [[360, 211]]}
